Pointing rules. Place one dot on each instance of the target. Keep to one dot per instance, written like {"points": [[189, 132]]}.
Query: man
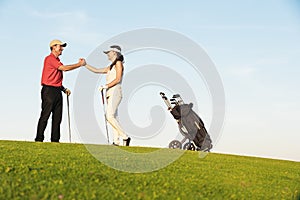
{"points": [[52, 77]]}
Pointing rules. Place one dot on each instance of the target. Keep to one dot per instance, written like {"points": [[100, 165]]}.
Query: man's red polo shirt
{"points": [[51, 75]]}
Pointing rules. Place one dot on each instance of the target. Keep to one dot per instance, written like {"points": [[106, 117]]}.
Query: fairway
{"points": [[68, 171]]}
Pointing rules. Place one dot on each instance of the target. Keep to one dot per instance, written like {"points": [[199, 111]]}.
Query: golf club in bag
{"points": [[68, 106], [190, 125], [104, 111]]}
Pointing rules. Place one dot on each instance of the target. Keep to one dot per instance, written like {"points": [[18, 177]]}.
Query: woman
{"points": [[114, 74]]}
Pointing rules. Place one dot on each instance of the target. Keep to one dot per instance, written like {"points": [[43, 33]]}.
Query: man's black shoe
{"points": [[115, 144], [127, 141]]}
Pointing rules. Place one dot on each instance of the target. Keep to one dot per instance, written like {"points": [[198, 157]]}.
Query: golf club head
{"points": [[176, 96]]}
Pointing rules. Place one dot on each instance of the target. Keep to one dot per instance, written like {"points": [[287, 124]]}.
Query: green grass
{"points": [[68, 171]]}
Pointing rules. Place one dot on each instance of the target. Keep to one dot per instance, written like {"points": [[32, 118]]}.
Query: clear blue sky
{"points": [[254, 44]]}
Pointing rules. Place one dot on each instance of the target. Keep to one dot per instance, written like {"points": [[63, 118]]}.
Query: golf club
{"points": [[103, 102], [167, 102], [69, 118]]}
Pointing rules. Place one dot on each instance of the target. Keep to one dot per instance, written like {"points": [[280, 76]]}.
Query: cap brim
{"points": [[63, 44], [106, 52]]}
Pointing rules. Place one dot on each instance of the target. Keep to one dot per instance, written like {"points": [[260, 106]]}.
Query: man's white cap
{"points": [[114, 48], [55, 42]]}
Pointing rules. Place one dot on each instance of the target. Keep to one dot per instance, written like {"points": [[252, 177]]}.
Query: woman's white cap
{"points": [[114, 48]]}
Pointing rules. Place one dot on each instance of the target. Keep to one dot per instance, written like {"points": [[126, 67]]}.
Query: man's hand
{"points": [[82, 62], [102, 87], [68, 92]]}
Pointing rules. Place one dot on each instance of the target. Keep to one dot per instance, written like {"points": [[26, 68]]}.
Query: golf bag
{"points": [[190, 125]]}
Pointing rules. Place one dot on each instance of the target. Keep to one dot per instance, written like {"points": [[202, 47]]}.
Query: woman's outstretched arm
{"points": [[97, 70]]}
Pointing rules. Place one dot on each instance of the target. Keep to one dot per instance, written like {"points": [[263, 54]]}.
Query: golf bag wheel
{"points": [[189, 146], [175, 144]]}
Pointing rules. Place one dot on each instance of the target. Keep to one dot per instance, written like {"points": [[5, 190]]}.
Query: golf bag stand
{"points": [[190, 125]]}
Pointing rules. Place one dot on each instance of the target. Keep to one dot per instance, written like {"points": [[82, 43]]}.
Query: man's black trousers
{"points": [[51, 103]]}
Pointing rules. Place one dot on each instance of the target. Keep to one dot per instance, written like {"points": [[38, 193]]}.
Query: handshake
{"points": [[82, 62]]}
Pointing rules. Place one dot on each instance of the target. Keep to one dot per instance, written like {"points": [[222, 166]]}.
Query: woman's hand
{"points": [[102, 87]]}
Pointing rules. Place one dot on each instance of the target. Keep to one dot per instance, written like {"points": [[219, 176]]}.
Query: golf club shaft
{"points": [[102, 94], [68, 105]]}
